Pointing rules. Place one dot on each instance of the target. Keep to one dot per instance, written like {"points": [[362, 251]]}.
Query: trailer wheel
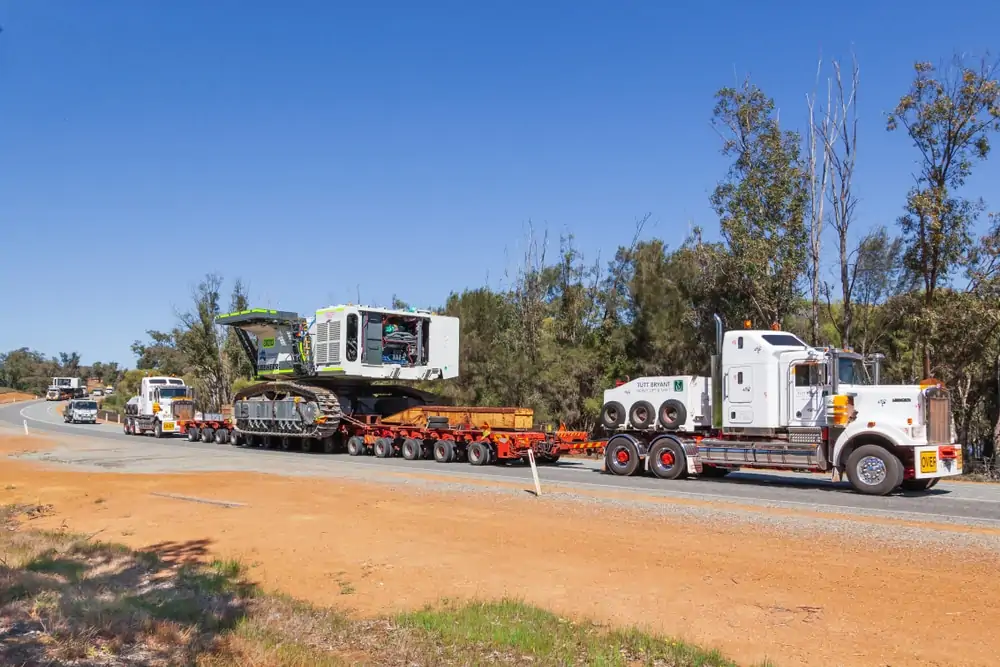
{"points": [[193, 434], [612, 415], [355, 445], [621, 456], [874, 470], [641, 415], [667, 459], [207, 434], [221, 436], [383, 448], [330, 444], [444, 451], [479, 453], [672, 414], [411, 449]]}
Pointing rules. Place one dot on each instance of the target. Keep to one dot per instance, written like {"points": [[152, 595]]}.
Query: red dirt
{"points": [[752, 593]]}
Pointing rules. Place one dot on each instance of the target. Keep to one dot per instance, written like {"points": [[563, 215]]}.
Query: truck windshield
{"points": [[852, 371], [172, 392], [86, 405]]}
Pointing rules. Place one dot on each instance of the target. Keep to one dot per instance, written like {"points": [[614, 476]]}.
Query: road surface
{"points": [[104, 446]]}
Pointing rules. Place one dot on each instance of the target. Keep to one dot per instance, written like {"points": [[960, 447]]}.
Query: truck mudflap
{"points": [[937, 461]]}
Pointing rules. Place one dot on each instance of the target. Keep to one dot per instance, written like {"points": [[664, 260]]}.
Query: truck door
{"points": [[805, 390], [740, 384], [373, 339], [739, 396]]}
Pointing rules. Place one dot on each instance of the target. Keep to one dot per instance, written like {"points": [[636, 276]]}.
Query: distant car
{"points": [[97, 392], [80, 411]]}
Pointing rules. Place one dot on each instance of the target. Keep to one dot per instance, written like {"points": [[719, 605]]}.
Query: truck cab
{"points": [[162, 401], [825, 405]]}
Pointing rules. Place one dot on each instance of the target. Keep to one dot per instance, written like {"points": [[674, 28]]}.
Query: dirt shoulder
{"points": [[375, 549], [15, 397]]}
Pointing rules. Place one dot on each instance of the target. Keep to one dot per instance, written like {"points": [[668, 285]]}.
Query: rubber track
{"points": [[327, 400]]}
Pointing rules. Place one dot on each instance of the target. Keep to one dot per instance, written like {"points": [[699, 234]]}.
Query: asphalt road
{"points": [[108, 448]]}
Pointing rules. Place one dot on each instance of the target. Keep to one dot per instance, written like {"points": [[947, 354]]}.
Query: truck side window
{"points": [[802, 375], [352, 337]]}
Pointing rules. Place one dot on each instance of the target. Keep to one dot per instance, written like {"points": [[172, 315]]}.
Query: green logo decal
{"points": [[267, 342], [678, 385]]}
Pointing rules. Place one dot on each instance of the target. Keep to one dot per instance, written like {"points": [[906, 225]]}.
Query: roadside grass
{"points": [[67, 599]]}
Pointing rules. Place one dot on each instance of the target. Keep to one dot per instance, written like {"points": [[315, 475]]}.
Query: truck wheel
{"points": [[641, 415], [919, 484], [125, 428], [411, 449], [383, 448], [667, 459], [612, 415], [672, 414], [479, 453], [158, 429], [355, 445], [193, 434], [444, 451], [621, 456], [874, 470]]}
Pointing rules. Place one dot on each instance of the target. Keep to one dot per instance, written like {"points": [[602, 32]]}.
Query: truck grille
{"points": [[183, 411], [938, 418]]}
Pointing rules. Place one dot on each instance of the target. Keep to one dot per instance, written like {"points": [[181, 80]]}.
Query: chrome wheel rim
{"points": [[872, 470]]}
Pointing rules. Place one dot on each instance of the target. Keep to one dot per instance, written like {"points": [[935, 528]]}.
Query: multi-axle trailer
{"points": [[330, 383]]}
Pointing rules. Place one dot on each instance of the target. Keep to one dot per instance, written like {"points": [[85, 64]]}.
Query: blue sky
{"points": [[312, 147]]}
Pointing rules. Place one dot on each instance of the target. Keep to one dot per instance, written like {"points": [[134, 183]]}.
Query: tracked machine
{"points": [[345, 362]]}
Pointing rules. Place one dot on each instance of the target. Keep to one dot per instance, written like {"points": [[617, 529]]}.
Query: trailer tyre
{"points": [[355, 445], [612, 415], [874, 470], [621, 456], [383, 448], [411, 449], [444, 451], [193, 434], [207, 434], [672, 414], [641, 415], [479, 453], [667, 459], [221, 436]]}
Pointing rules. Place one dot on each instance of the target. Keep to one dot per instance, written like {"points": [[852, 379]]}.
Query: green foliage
{"points": [[31, 371], [761, 204]]}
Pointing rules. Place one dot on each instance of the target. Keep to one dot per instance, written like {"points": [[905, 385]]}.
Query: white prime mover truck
{"points": [[775, 402], [161, 403]]}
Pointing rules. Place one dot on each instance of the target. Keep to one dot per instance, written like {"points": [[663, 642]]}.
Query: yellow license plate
{"points": [[168, 426], [928, 462]]}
